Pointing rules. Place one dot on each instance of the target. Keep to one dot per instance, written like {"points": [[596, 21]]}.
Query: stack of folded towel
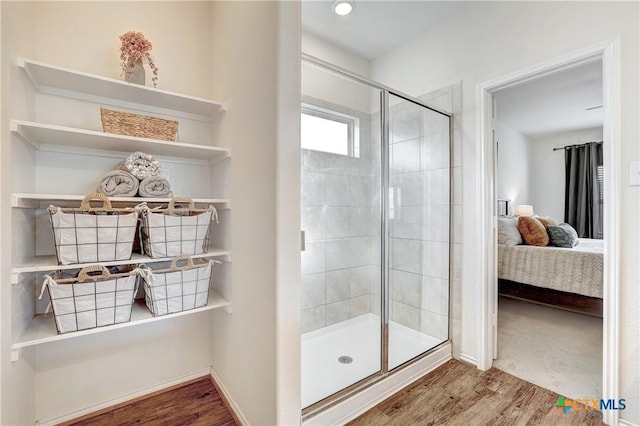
{"points": [[138, 174]]}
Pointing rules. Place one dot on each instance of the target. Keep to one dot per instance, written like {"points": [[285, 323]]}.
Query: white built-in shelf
{"points": [[42, 201], [96, 89], [49, 263], [81, 85], [42, 328], [49, 137]]}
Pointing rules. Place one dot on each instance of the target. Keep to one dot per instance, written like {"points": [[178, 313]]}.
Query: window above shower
{"points": [[329, 131]]}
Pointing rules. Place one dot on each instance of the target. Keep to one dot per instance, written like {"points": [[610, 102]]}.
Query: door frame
{"points": [[486, 240]]}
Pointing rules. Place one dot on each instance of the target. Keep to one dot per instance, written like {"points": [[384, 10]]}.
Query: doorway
{"points": [[486, 243], [553, 286]]}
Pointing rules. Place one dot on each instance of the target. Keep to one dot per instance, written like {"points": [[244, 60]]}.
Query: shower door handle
{"points": [[302, 241]]}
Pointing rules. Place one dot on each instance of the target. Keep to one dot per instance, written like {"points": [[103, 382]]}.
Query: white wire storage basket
{"points": [[90, 301], [177, 288], [93, 234], [176, 230]]}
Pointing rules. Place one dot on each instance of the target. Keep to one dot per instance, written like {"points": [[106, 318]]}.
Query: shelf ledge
{"points": [[49, 137], [49, 263], [43, 329], [61, 81], [42, 201]]}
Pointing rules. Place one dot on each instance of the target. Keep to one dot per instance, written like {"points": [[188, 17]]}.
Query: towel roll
{"points": [[118, 183], [141, 165], [155, 187]]}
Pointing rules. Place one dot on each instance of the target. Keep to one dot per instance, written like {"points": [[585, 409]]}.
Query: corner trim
{"points": [[229, 402], [468, 359]]}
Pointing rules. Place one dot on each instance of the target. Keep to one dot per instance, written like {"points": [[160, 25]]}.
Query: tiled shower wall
{"points": [[342, 226], [340, 216], [419, 216]]}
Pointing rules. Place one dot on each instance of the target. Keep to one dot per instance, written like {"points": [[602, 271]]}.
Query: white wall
{"points": [[288, 378], [84, 36], [548, 171], [514, 157], [497, 38], [530, 172], [256, 350], [325, 86], [74, 374], [17, 384], [321, 49]]}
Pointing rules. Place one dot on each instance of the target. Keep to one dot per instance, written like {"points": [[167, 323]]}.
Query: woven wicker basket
{"points": [[126, 123]]}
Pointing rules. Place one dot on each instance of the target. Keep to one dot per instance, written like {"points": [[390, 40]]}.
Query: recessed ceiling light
{"points": [[342, 7]]}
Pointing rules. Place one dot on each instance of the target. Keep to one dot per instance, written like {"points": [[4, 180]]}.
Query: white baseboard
{"points": [[622, 422], [467, 359], [120, 399], [227, 397], [349, 409]]}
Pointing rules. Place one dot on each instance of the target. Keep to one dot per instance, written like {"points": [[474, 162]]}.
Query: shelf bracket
{"points": [[228, 309], [19, 131], [15, 278], [15, 355]]}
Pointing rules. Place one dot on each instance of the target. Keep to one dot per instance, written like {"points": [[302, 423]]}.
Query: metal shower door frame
{"points": [[384, 371]]}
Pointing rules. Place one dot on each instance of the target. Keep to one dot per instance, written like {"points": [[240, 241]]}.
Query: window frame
{"points": [[353, 127]]}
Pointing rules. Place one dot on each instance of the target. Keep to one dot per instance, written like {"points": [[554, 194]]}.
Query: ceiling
{"points": [[375, 26], [556, 103], [550, 104]]}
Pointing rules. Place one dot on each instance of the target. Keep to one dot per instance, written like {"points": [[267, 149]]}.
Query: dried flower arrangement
{"points": [[135, 47]]}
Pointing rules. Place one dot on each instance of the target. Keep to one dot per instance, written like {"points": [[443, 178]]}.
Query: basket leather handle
{"points": [[96, 196], [180, 200], [178, 258], [83, 275]]}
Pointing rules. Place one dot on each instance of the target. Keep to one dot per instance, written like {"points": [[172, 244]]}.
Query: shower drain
{"points": [[345, 359]]}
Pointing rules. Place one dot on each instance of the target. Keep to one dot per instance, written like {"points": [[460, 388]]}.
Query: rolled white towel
{"points": [[155, 187], [141, 165], [118, 183]]}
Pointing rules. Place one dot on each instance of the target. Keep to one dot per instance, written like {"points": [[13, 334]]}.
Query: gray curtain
{"points": [[583, 189]]}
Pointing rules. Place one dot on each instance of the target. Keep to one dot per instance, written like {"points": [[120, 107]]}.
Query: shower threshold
{"points": [[358, 339]]}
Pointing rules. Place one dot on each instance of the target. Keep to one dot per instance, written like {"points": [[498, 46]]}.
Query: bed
{"points": [[568, 278]]}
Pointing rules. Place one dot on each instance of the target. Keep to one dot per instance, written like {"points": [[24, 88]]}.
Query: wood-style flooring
{"points": [[196, 403], [457, 394], [453, 394]]}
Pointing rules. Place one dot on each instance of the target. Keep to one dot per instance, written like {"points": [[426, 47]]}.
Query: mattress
{"points": [[574, 270]]}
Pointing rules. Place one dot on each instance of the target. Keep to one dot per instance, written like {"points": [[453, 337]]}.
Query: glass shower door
{"points": [[341, 221], [419, 215]]}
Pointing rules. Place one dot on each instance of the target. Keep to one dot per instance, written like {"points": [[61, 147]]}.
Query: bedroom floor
{"points": [[555, 349]]}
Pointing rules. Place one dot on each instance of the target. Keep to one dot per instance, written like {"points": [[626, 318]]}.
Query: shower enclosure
{"points": [[375, 212]]}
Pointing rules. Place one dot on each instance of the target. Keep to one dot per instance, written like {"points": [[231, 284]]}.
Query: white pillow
{"points": [[508, 233]]}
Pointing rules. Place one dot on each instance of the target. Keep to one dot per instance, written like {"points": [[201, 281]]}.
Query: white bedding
{"points": [[574, 270]]}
